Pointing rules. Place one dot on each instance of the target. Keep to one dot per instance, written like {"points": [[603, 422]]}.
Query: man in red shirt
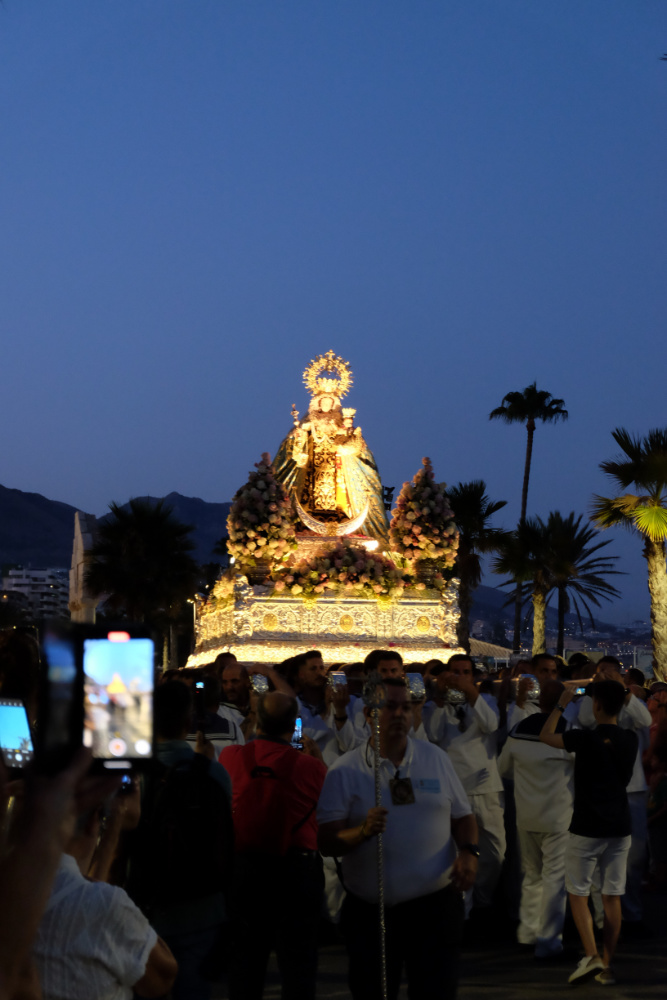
{"points": [[278, 880]]}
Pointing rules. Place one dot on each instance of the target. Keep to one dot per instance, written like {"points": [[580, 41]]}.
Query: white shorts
{"points": [[582, 856]]}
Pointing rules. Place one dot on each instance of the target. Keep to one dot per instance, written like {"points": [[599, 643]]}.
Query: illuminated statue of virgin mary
{"points": [[325, 464]]}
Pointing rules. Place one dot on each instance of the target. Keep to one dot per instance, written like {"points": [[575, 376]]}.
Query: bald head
{"points": [[276, 715]]}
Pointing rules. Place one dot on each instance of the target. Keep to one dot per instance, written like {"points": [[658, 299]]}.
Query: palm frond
{"points": [[651, 521]]}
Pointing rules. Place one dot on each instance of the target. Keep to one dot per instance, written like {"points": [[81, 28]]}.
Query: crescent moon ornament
{"points": [[334, 529]]}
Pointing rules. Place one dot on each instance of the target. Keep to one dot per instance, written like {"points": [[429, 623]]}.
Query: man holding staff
{"points": [[430, 856]]}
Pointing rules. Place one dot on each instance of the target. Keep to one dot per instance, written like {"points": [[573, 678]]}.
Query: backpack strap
{"points": [[262, 771]]}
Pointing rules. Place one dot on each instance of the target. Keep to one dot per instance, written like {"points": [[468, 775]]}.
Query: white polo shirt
{"points": [[418, 847]]}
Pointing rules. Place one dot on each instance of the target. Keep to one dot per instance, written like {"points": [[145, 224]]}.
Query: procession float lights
{"points": [[261, 652]]}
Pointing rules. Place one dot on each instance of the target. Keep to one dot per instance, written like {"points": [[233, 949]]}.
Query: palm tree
{"points": [[643, 465], [472, 513], [576, 569], [526, 408], [141, 562], [526, 557]]}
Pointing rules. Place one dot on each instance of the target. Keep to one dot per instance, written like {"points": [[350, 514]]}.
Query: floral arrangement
{"points": [[422, 524], [222, 592], [346, 570], [260, 522]]}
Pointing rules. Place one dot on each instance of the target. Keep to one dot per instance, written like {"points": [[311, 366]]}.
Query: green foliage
{"points": [[472, 514], [528, 406], [643, 465], [141, 562], [559, 556]]}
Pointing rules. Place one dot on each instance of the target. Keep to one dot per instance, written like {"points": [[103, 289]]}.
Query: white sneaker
{"points": [[587, 968], [606, 977]]}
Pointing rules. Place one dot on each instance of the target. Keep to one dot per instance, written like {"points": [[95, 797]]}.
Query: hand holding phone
{"points": [[297, 737], [15, 737]]}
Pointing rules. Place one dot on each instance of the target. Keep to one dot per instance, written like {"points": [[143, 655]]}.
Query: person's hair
{"points": [[169, 675], [377, 655], [276, 724], [549, 695], [438, 669], [290, 668], [416, 668], [610, 659], [432, 664], [542, 656], [458, 657], [610, 695], [172, 705], [356, 667], [221, 661], [578, 660], [311, 653], [636, 676], [212, 693]]}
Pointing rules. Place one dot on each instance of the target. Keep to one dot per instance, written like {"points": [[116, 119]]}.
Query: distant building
{"points": [[46, 591], [82, 604]]}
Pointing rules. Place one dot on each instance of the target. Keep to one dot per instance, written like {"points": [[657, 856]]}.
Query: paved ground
{"points": [[500, 970]]}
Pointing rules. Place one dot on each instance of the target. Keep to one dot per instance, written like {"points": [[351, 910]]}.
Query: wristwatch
{"points": [[471, 849]]}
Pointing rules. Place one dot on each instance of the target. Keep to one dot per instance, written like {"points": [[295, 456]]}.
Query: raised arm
{"points": [[549, 734]]}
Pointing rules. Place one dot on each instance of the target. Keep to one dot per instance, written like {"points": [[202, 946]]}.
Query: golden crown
{"points": [[328, 373]]}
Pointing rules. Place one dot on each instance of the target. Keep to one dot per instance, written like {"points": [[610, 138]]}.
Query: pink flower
{"points": [[279, 585]]}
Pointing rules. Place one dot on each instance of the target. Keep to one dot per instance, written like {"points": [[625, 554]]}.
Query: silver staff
{"points": [[374, 696]]}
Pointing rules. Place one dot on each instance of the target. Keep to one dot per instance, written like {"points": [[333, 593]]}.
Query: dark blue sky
{"points": [[459, 197]]}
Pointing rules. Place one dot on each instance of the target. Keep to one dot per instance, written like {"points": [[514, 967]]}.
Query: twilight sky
{"points": [[458, 196]]}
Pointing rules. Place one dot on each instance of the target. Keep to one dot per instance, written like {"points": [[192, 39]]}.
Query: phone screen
{"points": [[15, 738], [118, 697], [297, 738]]}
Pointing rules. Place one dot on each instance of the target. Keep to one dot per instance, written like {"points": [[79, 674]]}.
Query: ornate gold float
{"points": [[334, 492]]}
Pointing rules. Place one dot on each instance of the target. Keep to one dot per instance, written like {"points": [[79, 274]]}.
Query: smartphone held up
{"points": [[97, 691]]}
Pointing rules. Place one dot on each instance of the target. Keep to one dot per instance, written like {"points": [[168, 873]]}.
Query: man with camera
{"points": [[466, 727], [635, 717], [429, 849], [543, 668]]}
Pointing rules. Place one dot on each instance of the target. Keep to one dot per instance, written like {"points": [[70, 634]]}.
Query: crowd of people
{"points": [[501, 798]]}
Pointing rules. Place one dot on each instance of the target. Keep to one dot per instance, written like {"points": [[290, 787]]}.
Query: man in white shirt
{"points": [[467, 732], [351, 722], [307, 676], [93, 942], [544, 668], [430, 856], [543, 794]]}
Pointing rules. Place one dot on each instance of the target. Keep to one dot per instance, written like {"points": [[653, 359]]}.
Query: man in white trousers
{"points": [[543, 793]]}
